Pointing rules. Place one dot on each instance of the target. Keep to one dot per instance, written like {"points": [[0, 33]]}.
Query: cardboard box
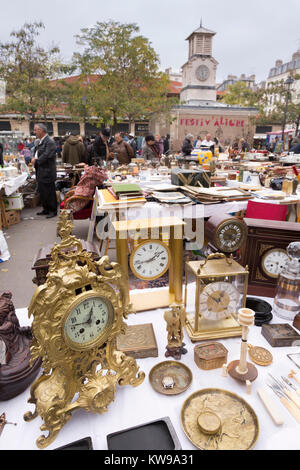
{"points": [[13, 217], [31, 199], [14, 202]]}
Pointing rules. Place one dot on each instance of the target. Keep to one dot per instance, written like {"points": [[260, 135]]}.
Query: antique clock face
{"points": [[230, 236], [150, 260], [218, 300], [202, 73], [274, 261], [88, 322]]}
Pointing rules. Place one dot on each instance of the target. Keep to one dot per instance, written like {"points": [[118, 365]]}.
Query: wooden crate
{"points": [[31, 200], [13, 217]]}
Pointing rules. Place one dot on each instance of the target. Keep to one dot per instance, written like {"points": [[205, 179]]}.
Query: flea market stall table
{"points": [[140, 405], [8, 187]]}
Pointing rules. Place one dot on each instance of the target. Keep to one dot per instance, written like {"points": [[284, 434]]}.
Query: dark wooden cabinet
{"points": [[265, 236]]}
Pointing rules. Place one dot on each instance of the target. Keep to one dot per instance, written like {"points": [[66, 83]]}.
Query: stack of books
{"points": [[107, 199], [216, 195], [126, 191]]}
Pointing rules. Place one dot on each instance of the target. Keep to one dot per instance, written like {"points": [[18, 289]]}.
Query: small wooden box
{"points": [[210, 355], [138, 342], [280, 335], [13, 217]]}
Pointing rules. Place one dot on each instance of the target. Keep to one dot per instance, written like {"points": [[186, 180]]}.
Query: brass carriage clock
{"points": [[158, 250], [78, 313], [220, 291]]}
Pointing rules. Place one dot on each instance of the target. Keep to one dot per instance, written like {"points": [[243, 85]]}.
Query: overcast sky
{"points": [[251, 34]]}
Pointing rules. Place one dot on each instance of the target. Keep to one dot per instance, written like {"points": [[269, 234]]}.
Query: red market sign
{"points": [[216, 122]]}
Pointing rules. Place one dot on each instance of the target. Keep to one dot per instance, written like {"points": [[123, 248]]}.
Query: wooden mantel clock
{"points": [[158, 249], [78, 313], [265, 253]]}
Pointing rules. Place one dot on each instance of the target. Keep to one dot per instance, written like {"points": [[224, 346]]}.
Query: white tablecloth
{"points": [[11, 185], [136, 406]]}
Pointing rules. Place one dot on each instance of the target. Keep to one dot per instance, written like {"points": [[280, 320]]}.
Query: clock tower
{"points": [[199, 72]]}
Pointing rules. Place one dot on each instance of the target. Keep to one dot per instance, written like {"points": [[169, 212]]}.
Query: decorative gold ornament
{"points": [[175, 319], [78, 314], [215, 419], [260, 356]]}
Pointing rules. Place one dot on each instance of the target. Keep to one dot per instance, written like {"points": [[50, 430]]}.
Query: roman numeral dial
{"points": [[150, 260]]}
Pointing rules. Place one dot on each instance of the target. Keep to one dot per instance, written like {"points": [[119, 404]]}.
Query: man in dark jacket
{"points": [[101, 146], [187, 145], [44, 162]]}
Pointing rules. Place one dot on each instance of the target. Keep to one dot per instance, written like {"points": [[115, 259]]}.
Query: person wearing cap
{"points": [[187, 145], [133, 143], [101, 146]]}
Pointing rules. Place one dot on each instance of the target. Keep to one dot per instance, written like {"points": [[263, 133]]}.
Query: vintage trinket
{"points": [[260, 356], [138, 341], [3, 422], [170, 377], [16, 370], [83, 306], [210, 355], [175, 319], [239, 428], [280, 335]]}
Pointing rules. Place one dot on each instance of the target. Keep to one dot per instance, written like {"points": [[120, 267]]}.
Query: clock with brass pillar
{"points": [[225, 234], [158, 249], [215, 289], [77, 315]]}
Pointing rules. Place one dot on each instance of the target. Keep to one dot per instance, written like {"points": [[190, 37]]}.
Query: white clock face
{"points": [[218, 300], [150, 260], [274, 261], [202, 73], [87, 321]]}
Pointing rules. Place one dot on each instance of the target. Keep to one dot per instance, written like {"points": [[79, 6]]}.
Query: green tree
{"points": [[28, 69], [130, 84]]}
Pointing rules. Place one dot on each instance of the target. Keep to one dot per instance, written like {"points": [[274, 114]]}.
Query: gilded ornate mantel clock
{"points": [[158, 250], [219, 291], [78, 313]]}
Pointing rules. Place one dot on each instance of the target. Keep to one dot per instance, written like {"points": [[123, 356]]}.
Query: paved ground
{"points": [[24, 240]]}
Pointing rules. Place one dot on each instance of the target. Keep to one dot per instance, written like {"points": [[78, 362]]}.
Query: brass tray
{"points": [[239, 424], [180, 373]]}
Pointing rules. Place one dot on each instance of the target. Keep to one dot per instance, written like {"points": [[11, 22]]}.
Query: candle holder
{"points": [[242, 370]]}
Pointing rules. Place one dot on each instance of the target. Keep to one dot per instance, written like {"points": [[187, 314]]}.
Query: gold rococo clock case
{"points": [[89, 370]]}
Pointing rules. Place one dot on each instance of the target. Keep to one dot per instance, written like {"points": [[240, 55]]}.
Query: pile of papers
{"points": [[171, 197], [216, 195], [107, 200]]}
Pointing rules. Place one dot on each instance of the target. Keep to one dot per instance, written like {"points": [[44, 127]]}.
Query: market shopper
{"points": [[149, 151], [123, 150], [101, 147], [208, 143], [44, 163], [187, 145], [1, 155], [74, 150]]}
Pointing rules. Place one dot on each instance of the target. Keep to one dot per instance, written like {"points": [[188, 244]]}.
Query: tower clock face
{"points": [[274, 261], [150, 260], [88, 321], [202, 73], [218, 300]]}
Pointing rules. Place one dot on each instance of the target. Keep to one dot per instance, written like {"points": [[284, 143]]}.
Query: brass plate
{"points": [[179, 372], [239, 423], [260, 356]]}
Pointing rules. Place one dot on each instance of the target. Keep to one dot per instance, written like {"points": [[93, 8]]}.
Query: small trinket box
{"points": [[210, 355]]}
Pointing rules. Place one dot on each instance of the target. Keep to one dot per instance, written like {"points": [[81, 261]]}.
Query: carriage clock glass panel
{"points": [[221, 297]]}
